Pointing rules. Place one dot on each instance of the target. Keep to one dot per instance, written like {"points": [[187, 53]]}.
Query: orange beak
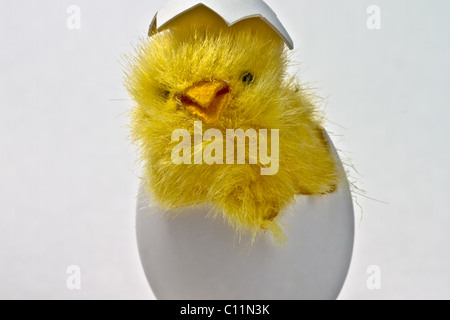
{"points": [[206, 99]]}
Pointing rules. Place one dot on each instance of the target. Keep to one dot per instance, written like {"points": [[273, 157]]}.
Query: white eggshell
{"points": [[232, 11], [188, 256]]}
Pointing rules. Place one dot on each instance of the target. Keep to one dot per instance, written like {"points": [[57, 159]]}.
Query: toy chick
{"points": [[218, 120]]}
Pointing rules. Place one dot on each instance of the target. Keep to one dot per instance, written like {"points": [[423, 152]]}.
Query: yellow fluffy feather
{"points": [[197, 55]]}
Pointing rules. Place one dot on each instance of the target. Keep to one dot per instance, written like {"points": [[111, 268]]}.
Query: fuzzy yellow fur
{"points": [[200, 47]]}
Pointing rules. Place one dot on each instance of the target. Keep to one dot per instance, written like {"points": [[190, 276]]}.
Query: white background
{"points": [[68, 177]]}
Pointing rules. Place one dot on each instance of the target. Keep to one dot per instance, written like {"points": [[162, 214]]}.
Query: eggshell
{"points": [[232, 11], [186, 255]]}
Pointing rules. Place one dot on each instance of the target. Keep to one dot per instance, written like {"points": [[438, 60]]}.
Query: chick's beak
{"points": [[206, 99]]}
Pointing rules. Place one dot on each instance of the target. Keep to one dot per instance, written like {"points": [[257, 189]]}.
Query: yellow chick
{"points": [[199, 70]]}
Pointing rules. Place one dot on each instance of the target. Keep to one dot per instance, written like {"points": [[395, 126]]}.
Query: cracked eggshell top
{"points": [[232, 11]]}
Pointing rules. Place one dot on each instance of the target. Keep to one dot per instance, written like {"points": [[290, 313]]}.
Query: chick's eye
{"points": [[247, 78], [165, 94]]}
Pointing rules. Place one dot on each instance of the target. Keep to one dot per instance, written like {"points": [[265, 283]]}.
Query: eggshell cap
{"points": [[232, 11]]}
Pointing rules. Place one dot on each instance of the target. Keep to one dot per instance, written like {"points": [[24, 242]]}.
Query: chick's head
{"points": [[202, 69]]}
